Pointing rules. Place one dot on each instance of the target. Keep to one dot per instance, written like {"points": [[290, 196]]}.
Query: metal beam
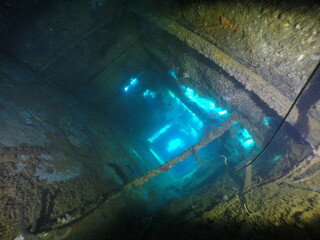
{"points": [[250, 80]]}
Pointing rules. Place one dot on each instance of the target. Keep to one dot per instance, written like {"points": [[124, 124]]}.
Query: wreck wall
{"points": [[56, 152], [269, 49]]}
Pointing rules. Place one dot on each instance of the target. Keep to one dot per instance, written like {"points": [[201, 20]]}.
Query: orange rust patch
{"points": [[228, 24], [203, 24]]}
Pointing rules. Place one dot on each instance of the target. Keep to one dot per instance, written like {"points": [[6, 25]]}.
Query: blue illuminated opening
{"points": [[174, 144], [184, 128], [167, 123]]}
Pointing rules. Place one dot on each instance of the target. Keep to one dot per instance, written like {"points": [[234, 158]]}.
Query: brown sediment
{"points": [[277, 210], [20, 186]]}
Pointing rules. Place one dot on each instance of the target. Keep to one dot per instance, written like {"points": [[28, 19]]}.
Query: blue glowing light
{"points": [[174, 144], [276, 158], [223, 112], [195, 118], [137, 155], [146, 93], [245, 133], [248, 144], [267, 120], [133, 82], [207, 105], [159, 133], [246, 139], [149, 93], [160, 160], [173, 74]]}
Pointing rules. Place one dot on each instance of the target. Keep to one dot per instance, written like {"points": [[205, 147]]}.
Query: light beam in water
{"points": [[159, 133]]}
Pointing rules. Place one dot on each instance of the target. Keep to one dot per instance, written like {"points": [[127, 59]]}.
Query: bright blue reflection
{"points": [[246, 139], [245, 133], [224, 112], [174, 144], [149, 93], [159, 133], [173, 74], [267, 120], [248, 144], [183, 130], [133, 82], [207, 105], [160, 160], [146, 93], [276, 158]]}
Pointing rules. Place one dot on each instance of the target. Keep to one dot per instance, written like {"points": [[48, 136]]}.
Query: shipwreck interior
{"points": [[190, 119]]}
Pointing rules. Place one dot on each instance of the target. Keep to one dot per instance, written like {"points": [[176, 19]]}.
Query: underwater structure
{"points": [[189, 119]]}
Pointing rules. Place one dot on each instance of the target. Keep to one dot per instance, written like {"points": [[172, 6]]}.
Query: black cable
{"points": [[315, 74]]}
